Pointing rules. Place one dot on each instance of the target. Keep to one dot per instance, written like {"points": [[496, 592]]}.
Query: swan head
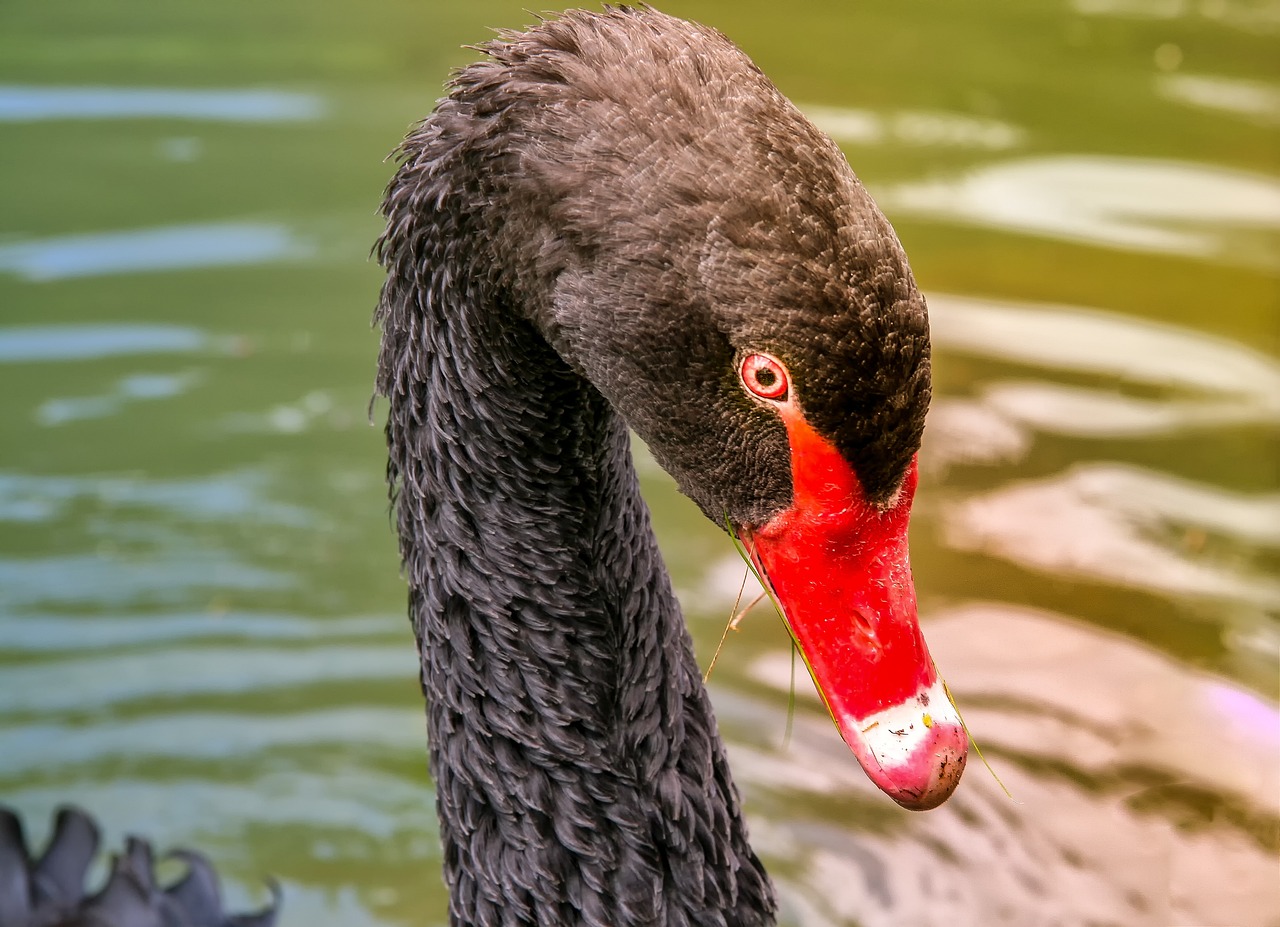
{"points": [[695, 248]]}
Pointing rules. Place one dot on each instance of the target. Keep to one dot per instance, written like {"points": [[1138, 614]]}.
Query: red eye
{"points": [[764, 376]]}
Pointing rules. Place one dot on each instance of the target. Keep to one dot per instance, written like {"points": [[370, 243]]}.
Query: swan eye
{"points": [[764, 376]]}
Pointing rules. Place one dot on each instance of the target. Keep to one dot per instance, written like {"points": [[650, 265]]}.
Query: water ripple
{"points": [[36, 104], [1201, 382], [1143, 792], [38, 343], [1093, 413], [1107, 522], [108, 582], [915, 128], [99, 681], [1081, 340], [238, 494], [51, 633], [167, 248], [1261, 16], [1254, 99], [1168, 207], [205, 737], [138, 387]]}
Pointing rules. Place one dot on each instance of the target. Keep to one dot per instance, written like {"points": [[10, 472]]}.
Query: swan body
{"points": [[49, 891], [601, 227]]}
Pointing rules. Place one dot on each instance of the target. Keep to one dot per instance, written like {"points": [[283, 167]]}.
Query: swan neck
{"points": [[573, 746]]}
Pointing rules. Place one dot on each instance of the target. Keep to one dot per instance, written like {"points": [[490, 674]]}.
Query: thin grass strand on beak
{"points": [[735, 616], [791, 699], [973, 740]]}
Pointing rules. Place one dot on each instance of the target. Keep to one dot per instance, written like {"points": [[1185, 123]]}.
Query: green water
{"points": [[201, 625]]}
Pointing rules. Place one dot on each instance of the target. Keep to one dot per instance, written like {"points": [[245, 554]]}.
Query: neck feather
{"points": [[580, 776]]}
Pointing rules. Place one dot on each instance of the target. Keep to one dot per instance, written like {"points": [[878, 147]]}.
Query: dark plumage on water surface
{"points": [[51, 891], [597, 229]]}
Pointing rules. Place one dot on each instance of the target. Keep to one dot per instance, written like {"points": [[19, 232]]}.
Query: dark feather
{"points": [[51, 892], [589, 229]]}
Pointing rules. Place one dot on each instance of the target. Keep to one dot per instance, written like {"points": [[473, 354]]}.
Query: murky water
{"points": [[201, 627]]}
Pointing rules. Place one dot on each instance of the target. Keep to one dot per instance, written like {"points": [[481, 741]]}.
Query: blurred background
{"points": [[202, 631]]}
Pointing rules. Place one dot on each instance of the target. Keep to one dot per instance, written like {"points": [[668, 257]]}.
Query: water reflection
{"points": [[292, 417], [1103, 521], [1093, 413], [1113, 523], [107, 680], [915, 128], [1249, 98], [1192, 382], [136, 388], [1142, 9], [34, 343], [1079, 340], [1261, 16], [37, 104], [49, 633], [227, 497], [177, 247], [113, 581], [1139, 797], [201, 736], [1168, 207]]}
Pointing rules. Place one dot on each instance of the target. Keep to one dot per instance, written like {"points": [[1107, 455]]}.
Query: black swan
{"points": [[616, 221], [49, 891]]}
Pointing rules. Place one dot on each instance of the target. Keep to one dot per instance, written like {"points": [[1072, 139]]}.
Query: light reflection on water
{"points": [[52, 632], [1130, 776], [1259, 16], [105, 680], [37, 104], [135, 388], [36, 343], [201, 736], [1252, 99], [179, 247], [1070, 339], [914, 128], [201, 632], [1146, 205], [217, 497], [1112, 523]]}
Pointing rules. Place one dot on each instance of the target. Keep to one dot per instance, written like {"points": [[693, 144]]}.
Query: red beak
{"points": [[840, 572]]}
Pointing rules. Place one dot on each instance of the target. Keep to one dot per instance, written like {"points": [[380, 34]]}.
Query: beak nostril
{"points": [[863, 623]]}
